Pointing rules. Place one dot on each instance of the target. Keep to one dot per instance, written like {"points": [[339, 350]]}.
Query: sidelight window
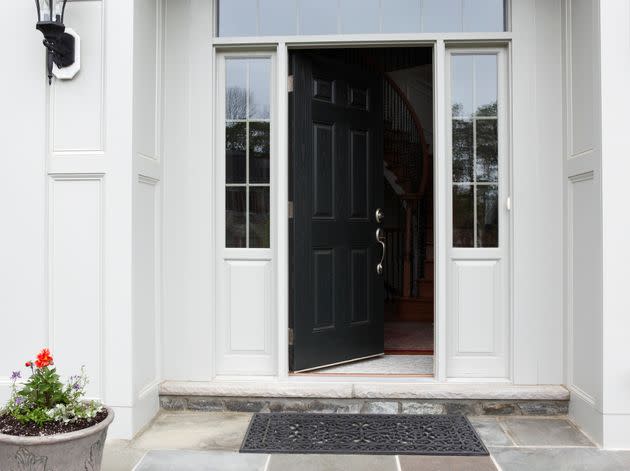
{"points": [[247, 152], [475, 150], [310, 17]]}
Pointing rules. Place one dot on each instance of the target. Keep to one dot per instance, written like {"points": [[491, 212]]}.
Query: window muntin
{"points": [[475, 150], [247, 152], [309, 17]]}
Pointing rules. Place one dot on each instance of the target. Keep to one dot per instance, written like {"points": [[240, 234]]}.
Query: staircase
{"points": [[408, 172]]}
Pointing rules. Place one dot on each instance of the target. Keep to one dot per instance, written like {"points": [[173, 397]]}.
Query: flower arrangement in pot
{"points": [[48, 425]]}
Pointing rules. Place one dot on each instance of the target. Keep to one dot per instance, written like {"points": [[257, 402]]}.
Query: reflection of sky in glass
{"points": [[359, 16], [462, 87], [483, 15], [441, 15], [474, 85], [318, 16], [401, 16], [278, 17], [236, 88], [485, 82], [237, 18], [259, 70]]}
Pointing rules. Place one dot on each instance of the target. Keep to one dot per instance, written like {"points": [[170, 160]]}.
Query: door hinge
{"points": [[290, 336], [290, 83], [290, 210]]}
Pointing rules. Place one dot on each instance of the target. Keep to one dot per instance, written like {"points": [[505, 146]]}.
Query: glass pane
{"points": [[235, 211], [359, 16], [259, 152], [487, 162], [486, 85], [463, 216], [462, 150], [235, 88], [441, 15], [318, 17], [235, 152], [259, 217], [237, 18], [462, 85], [259, 88], [483, 15], [278, 17], [401, 16], [487, 216]]}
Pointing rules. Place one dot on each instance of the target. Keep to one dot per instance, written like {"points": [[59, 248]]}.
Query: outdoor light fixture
{"points": [[59, 43]]}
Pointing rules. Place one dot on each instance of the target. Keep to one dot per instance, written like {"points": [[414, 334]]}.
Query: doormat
{"points": [[374, 434]]}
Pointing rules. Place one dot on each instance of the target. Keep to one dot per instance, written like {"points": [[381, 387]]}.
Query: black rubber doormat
{"points": [[373, 434]]}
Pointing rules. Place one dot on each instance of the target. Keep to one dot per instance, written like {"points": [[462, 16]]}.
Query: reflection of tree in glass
{"points": [[487, 110], [236, 103], [462, 150]]}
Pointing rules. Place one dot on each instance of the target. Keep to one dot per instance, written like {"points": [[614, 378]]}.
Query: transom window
{"points": [[315, 17], [247, 151], [475, 150]]}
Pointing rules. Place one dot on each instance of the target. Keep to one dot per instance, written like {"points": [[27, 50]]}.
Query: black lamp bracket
{"points": [[59, 44]]}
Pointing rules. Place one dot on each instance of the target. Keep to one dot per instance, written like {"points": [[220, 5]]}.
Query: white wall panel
{"points": [[583, 17], [146, 325], [585, 303], [146, 77], [477, 335], [77, 105], [75, 286], [475, 286], [245, 323]]}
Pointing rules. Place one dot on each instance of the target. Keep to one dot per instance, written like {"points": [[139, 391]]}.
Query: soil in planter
{"points": [[11, 426]]}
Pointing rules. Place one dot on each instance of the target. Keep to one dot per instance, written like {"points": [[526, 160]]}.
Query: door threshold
{"points": [[330, 365], [361, 375]]}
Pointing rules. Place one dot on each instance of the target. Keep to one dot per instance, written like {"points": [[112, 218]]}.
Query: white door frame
{"points": [[280, 249]]}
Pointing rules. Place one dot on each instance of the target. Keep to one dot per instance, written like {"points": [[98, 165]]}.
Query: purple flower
{"points": [[76, 386], [19, 400], [15, 375]]}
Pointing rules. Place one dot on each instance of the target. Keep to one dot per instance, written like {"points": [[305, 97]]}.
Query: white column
{"points": [[615, 129]]}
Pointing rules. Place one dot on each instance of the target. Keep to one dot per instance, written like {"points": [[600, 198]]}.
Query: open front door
{"points": [[337, 186]]}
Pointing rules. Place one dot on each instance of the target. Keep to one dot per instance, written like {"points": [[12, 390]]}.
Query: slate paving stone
{"points": [[559, 459], [446, 463], [167, 460], [490, 431], [119, 456], [544, 432], [332, 463], [194, 431]]}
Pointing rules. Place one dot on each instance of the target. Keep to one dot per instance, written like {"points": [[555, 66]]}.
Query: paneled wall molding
{"points": [[76, 273], [77, 106], [147, 180]]}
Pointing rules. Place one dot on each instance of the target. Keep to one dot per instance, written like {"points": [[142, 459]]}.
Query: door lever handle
{"points": [[380, 238]]}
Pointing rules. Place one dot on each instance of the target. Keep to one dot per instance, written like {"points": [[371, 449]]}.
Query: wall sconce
{"points": [[61, 44]]}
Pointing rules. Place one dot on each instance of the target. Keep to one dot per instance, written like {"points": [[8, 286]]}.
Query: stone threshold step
{"points": [[365, 397], [469, 407], [365, 390]]}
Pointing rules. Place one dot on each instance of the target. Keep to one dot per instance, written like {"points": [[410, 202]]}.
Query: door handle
{"points": [[380, 238]]}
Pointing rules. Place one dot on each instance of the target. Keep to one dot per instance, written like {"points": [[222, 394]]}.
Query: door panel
{"points": [[337, 184]]}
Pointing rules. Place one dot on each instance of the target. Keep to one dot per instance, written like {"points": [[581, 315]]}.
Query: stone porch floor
{"points": [[209, 441]]}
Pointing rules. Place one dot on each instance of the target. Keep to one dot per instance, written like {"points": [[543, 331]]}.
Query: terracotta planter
{"points": [[75, 451]]}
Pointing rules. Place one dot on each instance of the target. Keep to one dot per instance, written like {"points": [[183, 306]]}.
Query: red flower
{"points": [[44, 359], [28, 364]]}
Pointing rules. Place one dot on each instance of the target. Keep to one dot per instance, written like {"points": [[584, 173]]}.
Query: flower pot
{"points": [[81, 450]]}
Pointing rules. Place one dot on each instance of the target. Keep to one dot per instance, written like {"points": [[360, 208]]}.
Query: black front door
{"points": [[337, 186]]}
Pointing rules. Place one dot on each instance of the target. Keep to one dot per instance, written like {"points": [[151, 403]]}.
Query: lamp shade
{"points": [[50, 10]]}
